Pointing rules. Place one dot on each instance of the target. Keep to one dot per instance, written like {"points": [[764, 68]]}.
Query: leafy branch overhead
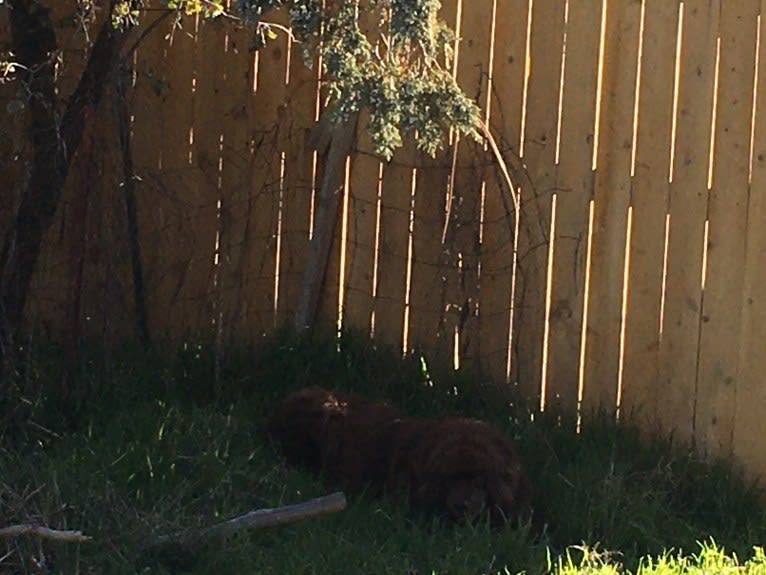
{"points": [[390, 57]]}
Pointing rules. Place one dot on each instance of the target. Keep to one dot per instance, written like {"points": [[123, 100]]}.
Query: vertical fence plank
{"points": [[688, 206], [327, 313], [574, 190], [392, 258], [506, 93], [426, 332], [156, 205], [265, 172], [362, 233], [234, 224], [473, 74], [200, 292], [108, 312], [726, 247], [364, 189], [649, 198], [611, 199], [196, 189], [751, 392], [546, 45], [187, 196], [496, 259], [462, 321], [299, 112]]}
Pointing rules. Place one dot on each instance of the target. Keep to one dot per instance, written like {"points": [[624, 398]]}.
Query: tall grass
{"points": [[157, 443]]}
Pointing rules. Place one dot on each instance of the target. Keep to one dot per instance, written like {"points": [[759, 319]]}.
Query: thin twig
{"points": [[146, 32]]}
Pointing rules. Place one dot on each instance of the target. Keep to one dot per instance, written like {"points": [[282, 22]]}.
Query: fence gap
{"points": [[548, 289], [584, 322], [376, 260], [623, 313]]}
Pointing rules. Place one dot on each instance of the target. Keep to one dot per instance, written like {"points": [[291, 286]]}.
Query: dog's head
{"points": [[299, 422], [472, 467]]}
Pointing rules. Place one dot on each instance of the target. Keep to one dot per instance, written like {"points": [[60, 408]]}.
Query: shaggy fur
{"points": [[461, 467], [335, 433]]}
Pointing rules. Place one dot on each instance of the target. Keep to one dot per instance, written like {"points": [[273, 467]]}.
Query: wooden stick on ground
{"points": [[44, 533], [258, 519]]}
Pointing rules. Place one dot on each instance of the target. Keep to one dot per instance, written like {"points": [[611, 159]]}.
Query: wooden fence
{"points": [[641, 281]]}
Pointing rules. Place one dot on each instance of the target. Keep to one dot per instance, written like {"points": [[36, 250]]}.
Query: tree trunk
{"points": [[55, 139]]}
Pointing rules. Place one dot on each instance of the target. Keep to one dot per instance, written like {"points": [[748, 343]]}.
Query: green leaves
{"points": [[124, 14], [390, 57]]}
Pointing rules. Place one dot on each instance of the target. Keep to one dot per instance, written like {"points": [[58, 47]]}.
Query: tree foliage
{"points": [[390, 57]]}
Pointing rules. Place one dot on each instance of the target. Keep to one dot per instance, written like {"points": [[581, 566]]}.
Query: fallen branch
{"points": [[258, 519], [44, 533]]}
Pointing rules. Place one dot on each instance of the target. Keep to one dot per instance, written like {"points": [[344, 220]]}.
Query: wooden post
{"points": [[341, 139]]}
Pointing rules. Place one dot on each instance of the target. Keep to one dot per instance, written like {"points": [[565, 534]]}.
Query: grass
{"points": [[160, 443]]}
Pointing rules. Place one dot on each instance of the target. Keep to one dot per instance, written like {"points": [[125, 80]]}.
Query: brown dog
{"points": [[462, 467], [335, 433]]}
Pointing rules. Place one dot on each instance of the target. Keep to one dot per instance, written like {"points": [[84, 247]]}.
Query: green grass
{"points": [[155, 444]]}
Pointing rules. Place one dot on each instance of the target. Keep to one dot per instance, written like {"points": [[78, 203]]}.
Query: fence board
{"points": [[506, 91], [299, 114], [328, 307], [464, 249], [174, 79], [106, 309], [546, 44], [574, 185], [234, 221], [265, 170], [364, 203], [157, 205], [427, 304], [649, 198], [611, 199], [750, 392], [199, 295], [363, 208], [473, 73], [194, 188], [392, 262], [496, 277], [727, 212], [451, 302], [688, 207]]}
